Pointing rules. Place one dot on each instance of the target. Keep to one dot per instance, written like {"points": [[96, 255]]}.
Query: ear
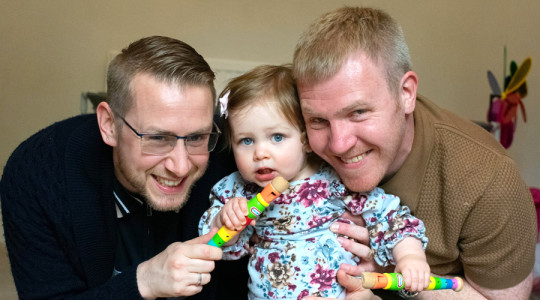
{"points": [[304, 139], [307, 148], [409, 84], [105, 117]]}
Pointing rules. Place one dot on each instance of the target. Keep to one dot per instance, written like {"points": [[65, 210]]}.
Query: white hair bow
{"points": [[223, 101]]}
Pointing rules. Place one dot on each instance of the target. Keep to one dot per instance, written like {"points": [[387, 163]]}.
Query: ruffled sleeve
{"points": [[387, 222]]}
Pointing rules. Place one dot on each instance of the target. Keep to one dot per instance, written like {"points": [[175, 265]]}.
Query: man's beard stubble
{"points": [[141, 193]]}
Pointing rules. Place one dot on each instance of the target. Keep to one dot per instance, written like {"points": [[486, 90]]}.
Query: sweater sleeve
{"points": [[498, 237], [387, 221], [43, 257]]}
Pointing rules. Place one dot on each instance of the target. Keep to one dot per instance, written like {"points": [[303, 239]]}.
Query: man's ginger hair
{"points": [[331, 39]]}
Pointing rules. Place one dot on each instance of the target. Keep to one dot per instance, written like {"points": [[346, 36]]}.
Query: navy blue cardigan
{"points": [[59, 218]]}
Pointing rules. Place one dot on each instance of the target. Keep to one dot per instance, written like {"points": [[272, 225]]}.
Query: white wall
{"points": [[51, 51]]}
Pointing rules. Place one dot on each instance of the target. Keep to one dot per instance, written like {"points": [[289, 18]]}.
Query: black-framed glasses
{"points": [[161, 144]]}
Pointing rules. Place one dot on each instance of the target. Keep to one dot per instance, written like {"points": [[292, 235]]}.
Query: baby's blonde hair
{"points": [[260, 85]]}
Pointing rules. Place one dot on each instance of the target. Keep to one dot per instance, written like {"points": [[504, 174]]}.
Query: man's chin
{"points": [[359, 186], [169, 203], [165, 207], [160, 201]]}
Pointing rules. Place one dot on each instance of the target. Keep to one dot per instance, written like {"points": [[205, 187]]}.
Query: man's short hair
{"points": [[166, 59], [331, 39]]}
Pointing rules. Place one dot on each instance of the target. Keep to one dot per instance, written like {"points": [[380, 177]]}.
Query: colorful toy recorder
{"points": [[394, 281], [255, 207]]}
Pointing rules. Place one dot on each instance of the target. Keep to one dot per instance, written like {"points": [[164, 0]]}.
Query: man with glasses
{"points": [[97, 207], [161, 144]]}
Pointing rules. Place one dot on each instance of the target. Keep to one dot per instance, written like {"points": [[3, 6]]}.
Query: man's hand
{"points": [[353, 286], [357, 243], [178, 269]]}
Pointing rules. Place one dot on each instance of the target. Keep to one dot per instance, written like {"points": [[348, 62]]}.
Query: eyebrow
{"points": [[166, 132], [307, 110], [346, 109], [277, 128]]}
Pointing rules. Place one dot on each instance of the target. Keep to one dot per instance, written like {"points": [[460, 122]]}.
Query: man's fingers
{"points": [[360, 250], [350, 283], [203, 277], [198, 248], [203, 239], [353, 270], [355, 232], [356, 219]]}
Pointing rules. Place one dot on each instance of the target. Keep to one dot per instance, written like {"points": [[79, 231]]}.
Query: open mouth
{"points": [[264, 174], [168, 183], [264, 171], [355, 159]]}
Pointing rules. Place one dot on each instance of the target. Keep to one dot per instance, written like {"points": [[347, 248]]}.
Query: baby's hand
{"points": [[415, 271], [233, 214]]}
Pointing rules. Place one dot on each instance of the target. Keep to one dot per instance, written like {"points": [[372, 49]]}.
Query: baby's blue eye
{"points": [[277, 137], [246, 141]]}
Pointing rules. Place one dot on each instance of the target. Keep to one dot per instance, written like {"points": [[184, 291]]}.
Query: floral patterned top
{"points": [[298, 254]]}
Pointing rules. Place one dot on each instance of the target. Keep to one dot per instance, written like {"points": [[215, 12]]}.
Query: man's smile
{"points": [[355, 159]]}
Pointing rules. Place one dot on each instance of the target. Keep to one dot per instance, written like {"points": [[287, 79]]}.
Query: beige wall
{"points": [[51, 51]]}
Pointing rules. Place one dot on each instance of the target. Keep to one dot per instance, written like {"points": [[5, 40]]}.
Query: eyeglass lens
{"points": [[163, 144]]}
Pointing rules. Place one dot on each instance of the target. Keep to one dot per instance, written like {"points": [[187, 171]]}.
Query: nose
{"points": [[261, 152], [177, 161], [341, 138]]}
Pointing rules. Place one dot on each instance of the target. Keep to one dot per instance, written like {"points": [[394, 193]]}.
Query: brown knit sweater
{"points": [[478, 212]]}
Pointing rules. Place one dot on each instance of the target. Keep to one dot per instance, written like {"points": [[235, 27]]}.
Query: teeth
{"points": [[354, 159], [168, 182]]}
